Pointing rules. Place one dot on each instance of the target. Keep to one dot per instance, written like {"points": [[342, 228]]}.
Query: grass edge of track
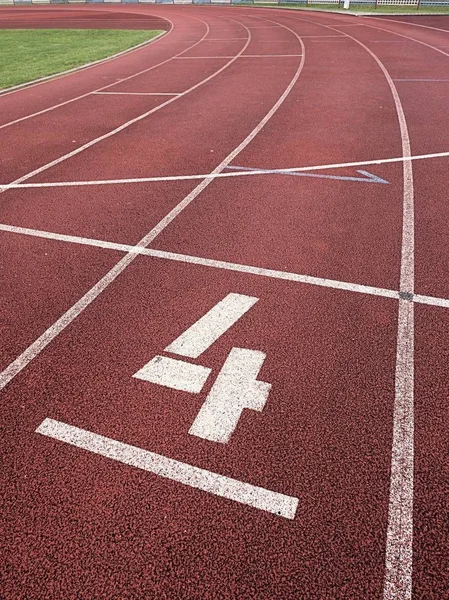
{"points": [[30, 54]]}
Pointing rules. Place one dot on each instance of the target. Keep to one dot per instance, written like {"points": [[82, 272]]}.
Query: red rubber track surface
{"points": [[77, 525]]}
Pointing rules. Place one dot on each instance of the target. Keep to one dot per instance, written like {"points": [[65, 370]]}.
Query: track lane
{"points": [[302, 444], [316, 227]]}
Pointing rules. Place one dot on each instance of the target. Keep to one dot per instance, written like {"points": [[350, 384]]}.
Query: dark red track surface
{"points": [[78, 525]]}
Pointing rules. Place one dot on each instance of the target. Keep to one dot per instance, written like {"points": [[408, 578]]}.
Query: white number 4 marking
{"points": [[236, 386]]}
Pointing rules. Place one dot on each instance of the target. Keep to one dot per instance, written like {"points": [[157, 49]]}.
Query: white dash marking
{"points": [[242, 56], [212, 325], [175, 374], [235, 388], [135, 94], [425, 80], [219, 485]]}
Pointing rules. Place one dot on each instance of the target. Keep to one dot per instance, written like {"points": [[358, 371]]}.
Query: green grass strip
{"points": [[28, 54]]}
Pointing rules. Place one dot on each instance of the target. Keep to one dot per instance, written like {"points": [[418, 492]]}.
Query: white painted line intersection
{"points": [[219, 485]]}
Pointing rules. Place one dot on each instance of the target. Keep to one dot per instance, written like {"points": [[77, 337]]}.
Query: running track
{"points": [[352, 313]]}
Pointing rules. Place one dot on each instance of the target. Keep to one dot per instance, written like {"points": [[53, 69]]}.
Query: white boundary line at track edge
{"points": [[220, 175], [29, 84], [74, 311], [229, 266]]}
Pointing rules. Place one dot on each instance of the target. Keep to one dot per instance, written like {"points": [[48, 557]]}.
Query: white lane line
{"points": [[213, 483], [135, 94], [396, 21], [219, 264], [175, 374], [426, 80], [28, 355], [235, 389], [431, 300], [220, 175], [105, 87], [399, 546], [240, 57], [131, 122], [211, 326]]}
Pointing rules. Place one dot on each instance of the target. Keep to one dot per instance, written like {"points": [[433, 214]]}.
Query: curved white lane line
{"points": [[408, 38], [399, 545], [74, 311]]}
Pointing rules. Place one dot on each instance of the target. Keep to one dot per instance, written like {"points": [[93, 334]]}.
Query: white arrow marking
{"points": [[212, 325], [235, 388], [175, 374], [368, 177]]}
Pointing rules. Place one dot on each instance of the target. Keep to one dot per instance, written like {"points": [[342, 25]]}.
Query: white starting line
{"points": [[214, 483], [221, 264]]}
